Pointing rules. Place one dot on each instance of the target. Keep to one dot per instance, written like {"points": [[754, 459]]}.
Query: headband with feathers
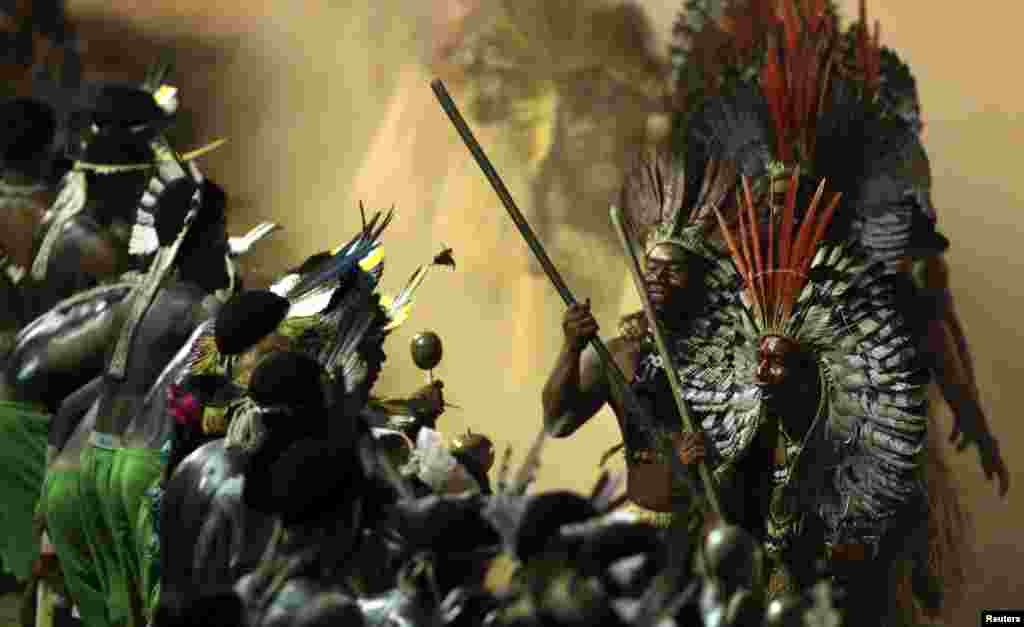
{"points": [[654, 197]]}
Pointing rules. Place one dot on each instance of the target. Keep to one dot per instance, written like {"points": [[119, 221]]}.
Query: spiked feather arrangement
{"points": [[775, 272], [796, 75], [359, 251]]}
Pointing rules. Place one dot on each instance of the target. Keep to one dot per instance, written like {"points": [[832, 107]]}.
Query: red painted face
{"points": [[775, 357]]}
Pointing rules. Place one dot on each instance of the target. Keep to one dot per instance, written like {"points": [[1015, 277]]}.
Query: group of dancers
{"points": [[181, 450]]}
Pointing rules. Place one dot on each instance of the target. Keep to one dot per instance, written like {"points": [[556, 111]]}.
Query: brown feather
{"points": [[642, 196], [715, 190]]}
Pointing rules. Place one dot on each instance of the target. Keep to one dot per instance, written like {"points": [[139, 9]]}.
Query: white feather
{"points": [[286, 284], [314, 303], [144, 240], [242, 245]]}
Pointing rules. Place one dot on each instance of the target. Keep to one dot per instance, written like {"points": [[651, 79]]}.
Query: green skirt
{"points": [[147, 542], [60, 503], [134, 472], [97, 509], [23, 433]]}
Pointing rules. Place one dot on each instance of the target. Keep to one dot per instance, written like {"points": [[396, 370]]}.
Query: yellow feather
{"points": [[372, 260], [206, 358], [398, 317]]}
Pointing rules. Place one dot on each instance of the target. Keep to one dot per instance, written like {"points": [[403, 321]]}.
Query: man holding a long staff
{"points": [[663, 449], [669, 283]]}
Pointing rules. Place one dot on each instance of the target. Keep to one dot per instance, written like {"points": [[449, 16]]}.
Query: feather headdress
{"points": [[311, 291], [334, 302], [654, 197], [775, 269], [785, 280]]}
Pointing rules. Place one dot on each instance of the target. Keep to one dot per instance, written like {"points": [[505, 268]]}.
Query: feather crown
{"points": [[654, 197], [775, 269], [334, 302]]}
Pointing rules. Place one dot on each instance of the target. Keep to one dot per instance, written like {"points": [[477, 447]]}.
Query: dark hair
{"points": [[123, 106], [311, 263], [173, 205], [247, 318], [175, 202], [290, 379], [303, 481], [30, 128], [223, 608], [545, 514]]}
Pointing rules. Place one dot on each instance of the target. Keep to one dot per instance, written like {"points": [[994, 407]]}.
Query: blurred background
{"points": [[328, 103]]}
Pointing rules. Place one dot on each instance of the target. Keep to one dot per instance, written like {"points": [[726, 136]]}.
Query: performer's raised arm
{"points": [[577, 387]]}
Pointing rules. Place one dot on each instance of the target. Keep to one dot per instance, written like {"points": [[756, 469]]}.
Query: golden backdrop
{"points": [[327, 103]]}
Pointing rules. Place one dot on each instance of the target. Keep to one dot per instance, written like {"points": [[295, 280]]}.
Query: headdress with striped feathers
{"points": [[785, 279]]}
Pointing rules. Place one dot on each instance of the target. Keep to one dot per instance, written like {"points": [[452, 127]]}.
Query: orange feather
{"points": [[755, 238], [804, 236], [730, 241]]}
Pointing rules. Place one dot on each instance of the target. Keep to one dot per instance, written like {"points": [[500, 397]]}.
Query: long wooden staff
{"points": [[617, 380]]}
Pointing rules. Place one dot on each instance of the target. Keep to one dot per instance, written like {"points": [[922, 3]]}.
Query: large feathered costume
{"points": [[832, 302], [781, 90]]}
